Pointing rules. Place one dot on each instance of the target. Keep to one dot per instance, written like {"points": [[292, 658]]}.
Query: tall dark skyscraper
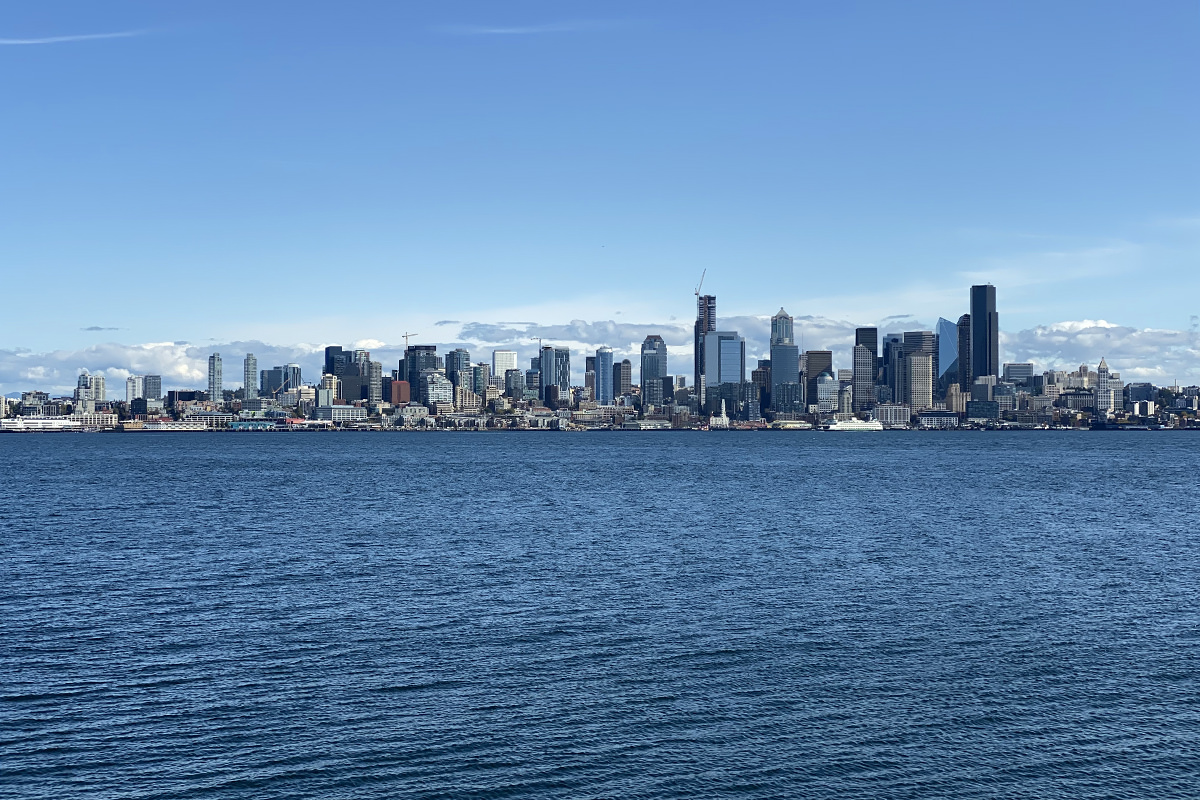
{"points": [[863, 376], [334, 356], [815, 362], [706, 322], [417, 359], [922, 342], [785, 365], [985, 332], [457, 362], [964, 354], [653, 370], [868, 338]]}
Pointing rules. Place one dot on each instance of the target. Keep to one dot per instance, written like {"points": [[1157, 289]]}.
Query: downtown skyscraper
{"points": [[653, 370], [215, 389], [786, 396], [250, 377], [985, 332], [706, 323]]}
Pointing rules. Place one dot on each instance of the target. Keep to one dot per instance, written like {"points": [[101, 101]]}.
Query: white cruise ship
{"points": [[855, 425]]}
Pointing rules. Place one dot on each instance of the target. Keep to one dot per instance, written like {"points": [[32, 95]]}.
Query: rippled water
{"points": [[600, 615]]}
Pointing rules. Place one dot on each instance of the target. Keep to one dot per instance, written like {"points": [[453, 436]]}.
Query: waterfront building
{"points": [[937, 420], [602, 364], [503, 361], [706, 322], [893, 415], [985, 332], [863, 377], [719, 421], [653, 370], [982, 411], [340, 414], [250, 377]]}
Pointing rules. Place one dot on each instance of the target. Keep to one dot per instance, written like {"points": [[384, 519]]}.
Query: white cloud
{"points": [[82, 37], [1139, 354]]}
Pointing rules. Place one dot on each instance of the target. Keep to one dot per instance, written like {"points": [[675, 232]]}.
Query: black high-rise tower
{"points": [[985, 332]]}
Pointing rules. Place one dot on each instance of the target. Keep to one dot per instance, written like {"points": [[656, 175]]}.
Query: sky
{"points": [[183, 178]]}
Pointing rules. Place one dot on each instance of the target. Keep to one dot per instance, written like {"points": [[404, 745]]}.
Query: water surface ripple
{"points": [[600, 615]]}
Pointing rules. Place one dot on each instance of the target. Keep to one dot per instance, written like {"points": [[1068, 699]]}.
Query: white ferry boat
{"points": [[855, 425]]}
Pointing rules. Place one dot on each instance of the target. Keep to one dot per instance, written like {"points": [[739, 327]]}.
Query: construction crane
{"points": [[406, 336], [701, 283]]}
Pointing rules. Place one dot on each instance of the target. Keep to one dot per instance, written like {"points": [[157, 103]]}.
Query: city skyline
{"points": [[1160, 356], [210, 175]]}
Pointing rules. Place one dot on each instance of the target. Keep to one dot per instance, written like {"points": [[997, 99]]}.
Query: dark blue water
{"points": [[600, 615]]}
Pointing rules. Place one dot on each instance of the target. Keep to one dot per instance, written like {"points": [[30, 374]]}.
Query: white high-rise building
{"points": [[503, 361], [135, 388], [89, 390], [250, 377], [1109, 389], [919, 381], [215, 391]]}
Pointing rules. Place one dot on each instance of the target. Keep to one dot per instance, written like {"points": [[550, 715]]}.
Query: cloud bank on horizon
{"points": [[1160, 356]]}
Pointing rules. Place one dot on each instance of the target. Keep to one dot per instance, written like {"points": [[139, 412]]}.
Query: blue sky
{"points": [[295, 174]]}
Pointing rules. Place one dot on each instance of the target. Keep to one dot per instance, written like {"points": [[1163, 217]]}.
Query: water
{"points": [[599, 615]]}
